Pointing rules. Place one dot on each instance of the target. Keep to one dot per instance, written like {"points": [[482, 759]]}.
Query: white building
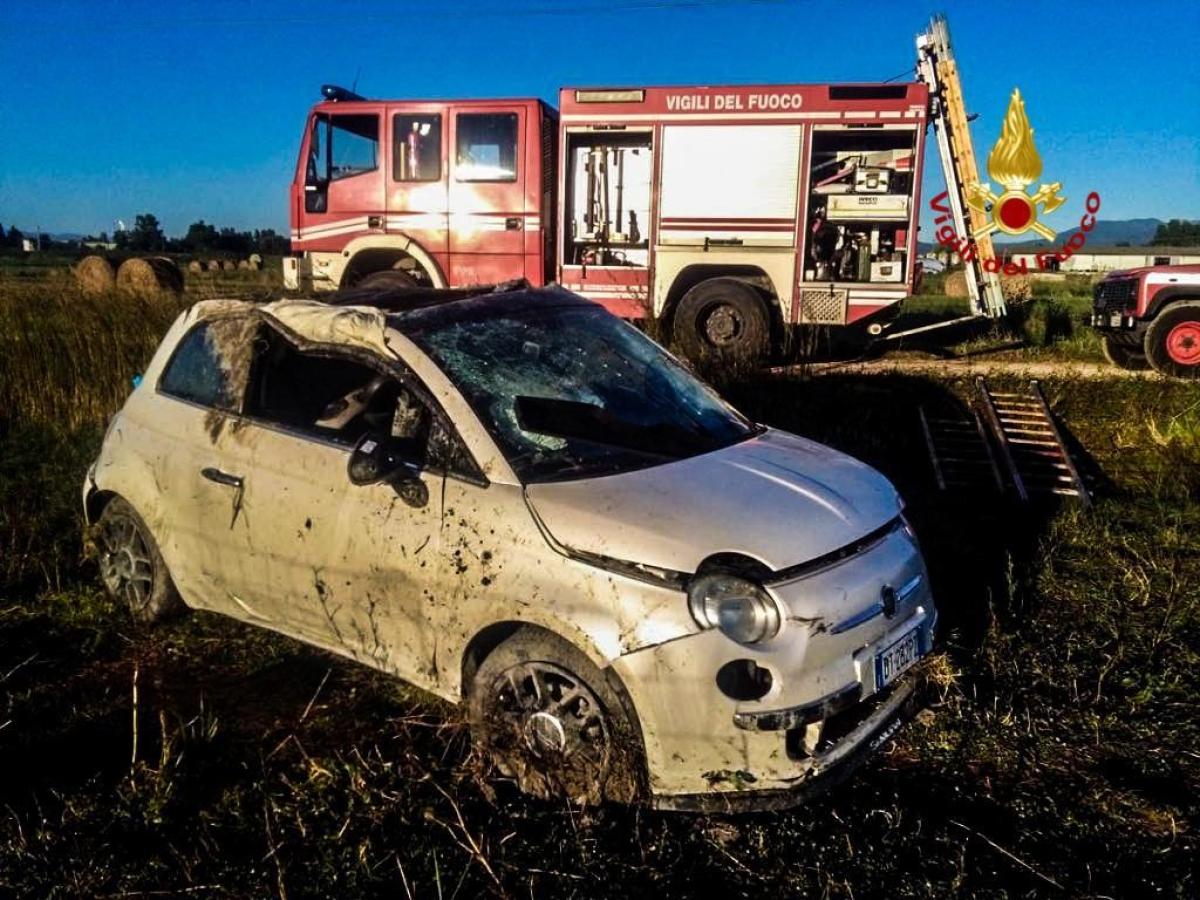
{"points": [[1117, 258]]}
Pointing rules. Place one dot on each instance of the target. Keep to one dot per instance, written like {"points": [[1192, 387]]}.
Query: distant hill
{"points": [[1106, 233]]}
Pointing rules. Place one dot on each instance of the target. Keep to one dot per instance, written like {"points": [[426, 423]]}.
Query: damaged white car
{"points": [[522, 504]]}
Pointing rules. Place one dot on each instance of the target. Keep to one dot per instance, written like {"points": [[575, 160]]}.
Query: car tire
{"points": [[547, 718], [388, 278], [723, 319], [131, 565], [1123, 354], [1173, 340]]}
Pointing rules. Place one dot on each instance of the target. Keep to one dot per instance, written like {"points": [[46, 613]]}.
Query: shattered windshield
{"points": [[571, 391]]}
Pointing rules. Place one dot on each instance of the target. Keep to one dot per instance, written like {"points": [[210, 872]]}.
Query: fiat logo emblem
{"points": [[887, 599]]}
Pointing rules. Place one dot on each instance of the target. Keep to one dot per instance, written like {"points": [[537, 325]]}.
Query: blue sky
{"points": [[194, 110]]}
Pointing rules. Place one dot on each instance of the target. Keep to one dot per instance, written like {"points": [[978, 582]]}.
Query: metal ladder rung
{"points": [[1029, 429]]}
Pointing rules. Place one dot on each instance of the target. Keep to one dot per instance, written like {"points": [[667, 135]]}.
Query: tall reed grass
{"points": [[66, 359]]}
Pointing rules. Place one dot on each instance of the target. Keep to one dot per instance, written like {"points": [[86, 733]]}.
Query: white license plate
{"points": [[897, 658]]}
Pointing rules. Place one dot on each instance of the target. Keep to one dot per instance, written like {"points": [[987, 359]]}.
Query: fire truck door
{"points": [[487, 195], [343, 184], [416, 182]]}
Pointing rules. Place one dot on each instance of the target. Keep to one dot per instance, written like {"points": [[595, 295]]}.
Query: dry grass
{"points": [[1060, 759]]}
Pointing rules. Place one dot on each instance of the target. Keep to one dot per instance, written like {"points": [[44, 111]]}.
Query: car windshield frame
{"points": [[534, 350]]}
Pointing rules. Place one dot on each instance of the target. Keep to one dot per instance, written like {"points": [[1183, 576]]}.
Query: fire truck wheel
{"points": [[1123, 354], [389, 278], [723, 319], [1173, 340]]}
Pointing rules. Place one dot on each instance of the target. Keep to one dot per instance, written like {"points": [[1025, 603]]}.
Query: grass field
{"points": [[1061, 756]]}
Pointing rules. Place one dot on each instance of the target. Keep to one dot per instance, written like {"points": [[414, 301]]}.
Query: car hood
{"points": [[778, 498]]}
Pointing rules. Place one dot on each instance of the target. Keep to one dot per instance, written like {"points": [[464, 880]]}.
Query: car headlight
{"points": [[739, 608]]}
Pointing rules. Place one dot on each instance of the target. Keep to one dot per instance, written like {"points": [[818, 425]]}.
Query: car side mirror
{"points": [[377, 458]]}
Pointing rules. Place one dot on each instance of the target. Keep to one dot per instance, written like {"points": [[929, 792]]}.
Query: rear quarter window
{"points": [[198, 373]]}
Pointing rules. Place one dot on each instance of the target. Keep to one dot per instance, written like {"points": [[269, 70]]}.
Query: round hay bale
{"points": [[95, 275], [149, 276], [213, 265], [243, 265], [195, 267], [955, 284], [1016, 288], [228, 266], [255, 260]]}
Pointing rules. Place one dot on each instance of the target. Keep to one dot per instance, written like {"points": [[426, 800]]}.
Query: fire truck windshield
{"points": [[572, 392]]}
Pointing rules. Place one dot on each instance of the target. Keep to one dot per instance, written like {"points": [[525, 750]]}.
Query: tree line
{"points": [[146, 236], [1177, 233]]}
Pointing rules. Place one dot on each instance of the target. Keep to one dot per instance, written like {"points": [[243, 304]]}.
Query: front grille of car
{"points": [[1115, 295]]}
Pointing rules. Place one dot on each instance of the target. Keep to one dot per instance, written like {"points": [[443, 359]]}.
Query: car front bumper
{"points": [[825, 711]]}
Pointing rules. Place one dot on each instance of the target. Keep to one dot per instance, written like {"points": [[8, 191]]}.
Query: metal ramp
{"points": [[960, 453], [1031, 445], [1014, 430]]}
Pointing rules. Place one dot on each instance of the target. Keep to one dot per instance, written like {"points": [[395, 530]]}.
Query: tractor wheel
{"points": [[131, 567], [723, 319], [1173, 340], [1123, 354], [551, 721]]}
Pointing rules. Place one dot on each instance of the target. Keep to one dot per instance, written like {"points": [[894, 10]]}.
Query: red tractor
{"points": [[1151, 317]]}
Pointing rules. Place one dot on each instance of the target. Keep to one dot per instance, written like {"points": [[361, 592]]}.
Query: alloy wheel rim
{"points": [[1183, 343], [557, 716], [125, 563]]}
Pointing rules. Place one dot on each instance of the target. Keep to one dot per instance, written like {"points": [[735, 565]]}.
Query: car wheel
{"points": [[1123, 354], [1173, 340], [550, 720], [723, 319], [131, 567], [389, 278]]}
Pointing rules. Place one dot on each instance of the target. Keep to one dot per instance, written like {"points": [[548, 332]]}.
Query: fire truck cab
{"points": [[435, 193], [729, 213]]}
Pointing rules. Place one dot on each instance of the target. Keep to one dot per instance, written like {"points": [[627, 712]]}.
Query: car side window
{"points": [[339, 399], [328, 396], [196, 371]]}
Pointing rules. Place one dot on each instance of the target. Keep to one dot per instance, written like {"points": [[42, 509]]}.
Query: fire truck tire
{"points": [[1123, 354], [1173, 340], [723, 319], [388, 278]]}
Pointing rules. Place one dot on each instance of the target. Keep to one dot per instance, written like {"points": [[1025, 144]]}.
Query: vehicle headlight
{"points": [[740, 608]]}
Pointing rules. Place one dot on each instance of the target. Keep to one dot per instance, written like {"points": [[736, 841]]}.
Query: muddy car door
{"points": [[337, 563], [186, 434]]}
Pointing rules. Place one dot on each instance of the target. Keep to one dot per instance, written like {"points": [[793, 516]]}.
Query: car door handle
{"points": [[513, 223], [234, 481]]}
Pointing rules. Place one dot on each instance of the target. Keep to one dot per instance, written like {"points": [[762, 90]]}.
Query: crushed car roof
{"points": [[364, 323]]}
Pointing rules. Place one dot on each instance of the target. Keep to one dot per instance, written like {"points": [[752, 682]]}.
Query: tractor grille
{"points": [[1115, 295], [823, 306]]}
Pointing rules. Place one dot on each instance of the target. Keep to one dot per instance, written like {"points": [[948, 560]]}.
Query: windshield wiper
{"points": [[589, 422]]}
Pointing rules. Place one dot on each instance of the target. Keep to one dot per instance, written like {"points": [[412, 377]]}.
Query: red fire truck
{"points": [[730, 213]]}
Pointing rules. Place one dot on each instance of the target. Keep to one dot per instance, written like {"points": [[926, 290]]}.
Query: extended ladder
{"points": [[948, 112]]}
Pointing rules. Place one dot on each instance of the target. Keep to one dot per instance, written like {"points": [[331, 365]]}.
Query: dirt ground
{"points": [[964, 367]]}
